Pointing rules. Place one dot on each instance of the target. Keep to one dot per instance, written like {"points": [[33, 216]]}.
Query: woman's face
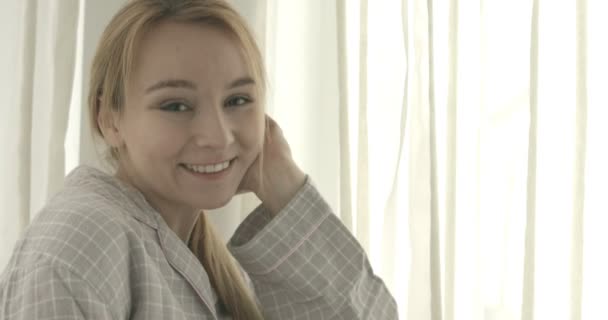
{"points": [[191, 125]]}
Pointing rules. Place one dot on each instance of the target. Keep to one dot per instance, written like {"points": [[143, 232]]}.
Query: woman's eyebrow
{"points": [[172, 83], [243, 81], [178, 83]]}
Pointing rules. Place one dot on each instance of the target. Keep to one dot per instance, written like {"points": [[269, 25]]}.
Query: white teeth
{"points": [[210, 168]]}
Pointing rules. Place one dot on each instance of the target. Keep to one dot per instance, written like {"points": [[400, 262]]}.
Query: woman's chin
{"points": [[212, 204]]}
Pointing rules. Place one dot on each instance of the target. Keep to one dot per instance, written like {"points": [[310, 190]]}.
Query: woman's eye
{"points": [[175, 107], [238, 101]]}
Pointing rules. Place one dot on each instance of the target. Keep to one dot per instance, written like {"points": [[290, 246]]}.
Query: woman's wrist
{"points": [[280, 187]]}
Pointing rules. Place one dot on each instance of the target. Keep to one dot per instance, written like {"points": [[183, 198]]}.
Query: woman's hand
{"points": [[274, 177]]}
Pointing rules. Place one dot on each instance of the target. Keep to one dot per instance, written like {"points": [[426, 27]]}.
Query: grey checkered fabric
{"points": [[98, 250]]}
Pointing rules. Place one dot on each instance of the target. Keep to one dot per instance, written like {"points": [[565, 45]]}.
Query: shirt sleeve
{"points": [[305, 264], [49, 292]]}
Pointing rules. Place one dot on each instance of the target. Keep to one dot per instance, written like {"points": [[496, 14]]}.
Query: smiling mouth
{"points": [[209, 168]]}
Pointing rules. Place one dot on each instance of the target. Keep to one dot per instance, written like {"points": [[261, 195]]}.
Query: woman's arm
{"points": [[303, 262]]}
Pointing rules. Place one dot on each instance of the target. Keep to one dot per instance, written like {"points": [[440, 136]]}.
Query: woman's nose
{"points": [[212, 130]]}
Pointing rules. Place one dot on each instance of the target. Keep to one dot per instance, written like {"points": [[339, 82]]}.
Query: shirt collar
{"points": [[117, 191]]}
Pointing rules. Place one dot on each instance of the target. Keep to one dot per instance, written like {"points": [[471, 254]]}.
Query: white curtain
{"points": [[462, 142], [518, 96], [37, 63]]}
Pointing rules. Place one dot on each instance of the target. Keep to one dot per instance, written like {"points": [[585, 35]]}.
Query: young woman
{"points": [[177, 94]]}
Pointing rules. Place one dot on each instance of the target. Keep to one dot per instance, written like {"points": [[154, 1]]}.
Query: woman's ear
{"points": [[108, 122]]}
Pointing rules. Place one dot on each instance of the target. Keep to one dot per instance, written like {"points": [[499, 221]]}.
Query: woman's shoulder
{"points": [[89, 227], [93, 202], [93, 229]]}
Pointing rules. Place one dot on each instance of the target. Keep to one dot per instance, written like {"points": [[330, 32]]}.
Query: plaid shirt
{"points": [[98, 250]]}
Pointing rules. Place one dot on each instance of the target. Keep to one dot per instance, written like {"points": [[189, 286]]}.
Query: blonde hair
{"points": [[112, 64]]}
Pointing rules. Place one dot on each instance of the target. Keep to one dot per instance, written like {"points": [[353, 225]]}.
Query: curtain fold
{"points": [[43, 48], [527, 309], [451, 162], [424, 294], [580, 140], [362, 187], [16, 89], [346, 207], [435, 254], [57, 25], [391, 264]]}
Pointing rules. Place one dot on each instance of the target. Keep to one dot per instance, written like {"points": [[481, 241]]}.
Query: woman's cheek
{"points": [[251, 128], [162, 141]]}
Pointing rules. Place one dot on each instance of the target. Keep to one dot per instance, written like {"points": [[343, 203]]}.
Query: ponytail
{"points": [[224, 274]]}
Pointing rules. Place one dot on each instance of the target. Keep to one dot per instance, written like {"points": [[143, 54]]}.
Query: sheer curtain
{"points": [[37, 63], [462, 142], [518, 95]]}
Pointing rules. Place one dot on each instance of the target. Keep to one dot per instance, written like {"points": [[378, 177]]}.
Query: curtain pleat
{"points": [[451, 159], [16, 134], [363, 206], [346, 210], [576, 284], [25, 107], [527, 311], [39, 95], [65, 22], [390, 227], [435, 254], [53, 78]]}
